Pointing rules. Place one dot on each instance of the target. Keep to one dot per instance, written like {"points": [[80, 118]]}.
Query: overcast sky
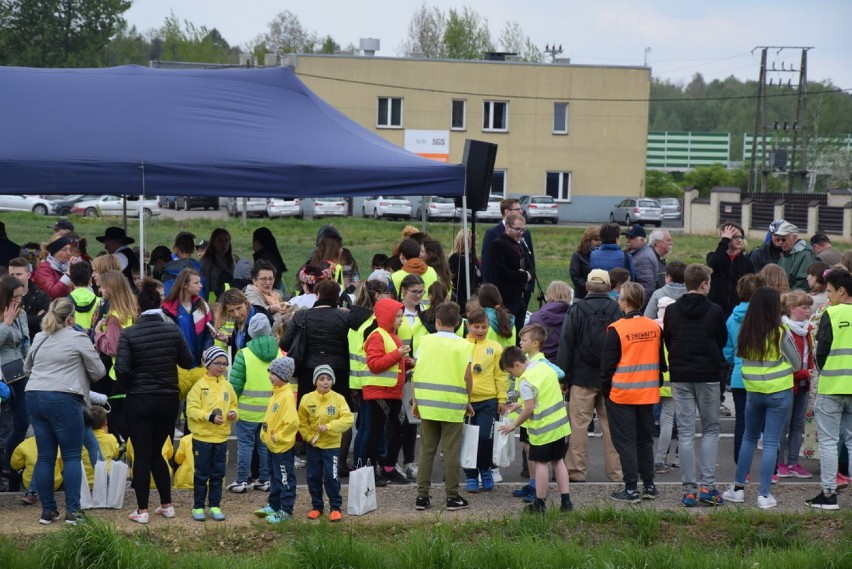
{"points": [[715, 38]]}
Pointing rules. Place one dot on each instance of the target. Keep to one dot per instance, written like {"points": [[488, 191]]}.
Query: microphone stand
{"points": [[528, 256]]}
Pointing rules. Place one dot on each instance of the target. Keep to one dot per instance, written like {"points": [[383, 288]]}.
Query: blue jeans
{"points": [[794, 429], [90, 441], [767, 412], [484, 414], [248, 438], [20, 419], [210, 462], [693, 399], [57, 420], [282, 487], [740, 396], [322, 471], [362, 426]]}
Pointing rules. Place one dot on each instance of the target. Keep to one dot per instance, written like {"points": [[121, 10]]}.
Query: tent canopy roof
{"points": [[233, 132]]}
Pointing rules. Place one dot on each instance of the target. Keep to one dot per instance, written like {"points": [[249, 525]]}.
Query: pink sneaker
{"points": [[785, 472], [797, 471], [842, 481], [775, 479]]}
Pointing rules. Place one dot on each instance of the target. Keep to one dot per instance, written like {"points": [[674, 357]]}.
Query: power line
{"points": [[594, 99]]}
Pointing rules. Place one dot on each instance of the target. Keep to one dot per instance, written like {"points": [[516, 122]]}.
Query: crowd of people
{"points": [[210, 346]]}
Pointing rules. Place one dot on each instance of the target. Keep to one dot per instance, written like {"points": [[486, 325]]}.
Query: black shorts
{"points": [[548, 452], [525, 436]]}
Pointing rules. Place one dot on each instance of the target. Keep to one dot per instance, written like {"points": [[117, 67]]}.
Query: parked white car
{"points": [[114, 205], [282, 207], [539, 208], [34, 204], [387, 207], [326, 207], [437, 207], [254, 206], [492, 210]]}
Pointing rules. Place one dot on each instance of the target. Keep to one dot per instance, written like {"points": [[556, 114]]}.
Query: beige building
{"points": [[575, 132]]}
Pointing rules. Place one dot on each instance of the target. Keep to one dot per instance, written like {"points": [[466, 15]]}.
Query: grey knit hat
{"points": [[282, 367], [211, 353], [259, 326], [324, 369]]}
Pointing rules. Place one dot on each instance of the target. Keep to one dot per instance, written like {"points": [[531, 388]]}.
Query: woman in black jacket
{"points": [[579, 267], [149, 353], [729, 264]]}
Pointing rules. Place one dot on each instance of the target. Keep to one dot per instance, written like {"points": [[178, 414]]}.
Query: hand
{"points": [[404, 349], [470, 412], [414, 410], [729, 231], [512, 407], [506, 429], [218, 420], [529, 276], [322, 428], [11, 313], [232, 415], [501, 408]]}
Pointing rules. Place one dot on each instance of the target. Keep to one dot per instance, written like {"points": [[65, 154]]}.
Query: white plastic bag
{"points": [[469, 445], [408, 402], [117, 485], [504, 445], [85, 494], [362, 491], [99, 487]]}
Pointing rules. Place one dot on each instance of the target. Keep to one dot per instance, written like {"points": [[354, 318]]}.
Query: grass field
{"points": [[364, 237]]}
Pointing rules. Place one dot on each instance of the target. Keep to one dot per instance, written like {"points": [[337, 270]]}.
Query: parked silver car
{"points": [[671, 208], [325, 207], [437, 207], [492, 210], [539, 208], [637, 210], [34, 204], [387, 207]]}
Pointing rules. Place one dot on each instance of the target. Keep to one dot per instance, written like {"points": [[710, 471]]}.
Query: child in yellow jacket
{"points": [[279, 434], [24, 459], [186, 465], [211, 407], [107, 443], [323, 417]]}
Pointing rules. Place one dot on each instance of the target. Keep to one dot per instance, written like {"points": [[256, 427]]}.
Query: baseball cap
{"points": [[785, 228], [62, 224], [635, 231], [598, 276], [820, 238]]}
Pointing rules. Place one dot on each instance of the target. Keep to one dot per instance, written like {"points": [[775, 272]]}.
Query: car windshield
{"points": [[668, 201], [543, 199], [442, 200], [648, 203], [394, 198]]}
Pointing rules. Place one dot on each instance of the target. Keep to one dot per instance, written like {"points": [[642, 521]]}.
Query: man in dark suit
{"points": [[507, 207], [511, 270], [8, 249]]}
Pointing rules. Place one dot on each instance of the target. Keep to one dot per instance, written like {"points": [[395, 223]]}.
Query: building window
{"points": [[558, 185], [560, 118], [495, 116], [390, 112], [459, 112], [498, 182]]}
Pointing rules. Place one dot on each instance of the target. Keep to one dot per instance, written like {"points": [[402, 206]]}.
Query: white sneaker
{"points": [[299, 462], [238, 487], [138, 518], [731, 495], [261, 486], [767, 501], [165, 512], [410, 470], [495, 474]]}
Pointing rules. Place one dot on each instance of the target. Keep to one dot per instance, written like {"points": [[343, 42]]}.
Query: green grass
{"points": [[606, 538]]}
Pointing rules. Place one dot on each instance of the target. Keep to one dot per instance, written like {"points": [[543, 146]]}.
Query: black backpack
{"points": [[595, 324]]}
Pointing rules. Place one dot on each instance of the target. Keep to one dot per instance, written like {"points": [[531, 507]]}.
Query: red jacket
{"points": [[49, 280], [378, 360], [801, 378]]}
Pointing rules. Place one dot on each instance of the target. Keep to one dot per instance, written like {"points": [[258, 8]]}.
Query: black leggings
{"points": [[150, 419], [385, 412]]}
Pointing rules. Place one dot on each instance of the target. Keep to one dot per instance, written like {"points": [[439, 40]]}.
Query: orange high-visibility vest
{"points": [[636, 380]]}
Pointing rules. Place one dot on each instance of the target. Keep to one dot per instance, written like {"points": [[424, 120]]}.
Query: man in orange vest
{"points": [[631, 364]]}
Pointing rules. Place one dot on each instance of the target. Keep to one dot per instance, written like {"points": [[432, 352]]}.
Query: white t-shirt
{"points": [[304, 300]]}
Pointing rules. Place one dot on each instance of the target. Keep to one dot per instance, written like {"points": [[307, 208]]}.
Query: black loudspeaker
{"points": [[479, 160]]}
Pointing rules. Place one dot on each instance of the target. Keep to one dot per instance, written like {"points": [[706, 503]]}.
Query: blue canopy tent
{"points": [[237, 132]]}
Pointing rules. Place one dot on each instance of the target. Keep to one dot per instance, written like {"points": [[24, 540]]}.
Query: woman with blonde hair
{"points": [[101, 265], [557, 298], [233, 314], [62, 365], [579, 267], [459, 263], [776, 277], [188, 310]]}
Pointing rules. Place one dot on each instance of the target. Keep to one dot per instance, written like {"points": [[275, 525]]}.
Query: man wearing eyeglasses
{"points": [[728, 264], [511, 269], [508, 207], [796, 255]]}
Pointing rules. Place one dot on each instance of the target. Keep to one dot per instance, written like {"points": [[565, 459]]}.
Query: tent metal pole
{"points": [[466, 243], [142, 224]]}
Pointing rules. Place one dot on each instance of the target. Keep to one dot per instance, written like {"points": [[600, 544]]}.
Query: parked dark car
{"points": [[65, 204], [191, 202], [167, 202]]}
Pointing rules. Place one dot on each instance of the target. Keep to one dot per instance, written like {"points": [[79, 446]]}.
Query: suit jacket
{"points": [[490, 236], [508, 277]]}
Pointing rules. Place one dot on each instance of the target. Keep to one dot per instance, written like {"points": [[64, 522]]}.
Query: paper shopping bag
{"points": [[99, 487], [408, 402], [469, 445], [504, 445], [117, 485], [85, 494], [362, 491]]}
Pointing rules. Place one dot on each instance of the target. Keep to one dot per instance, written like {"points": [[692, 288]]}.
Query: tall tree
{"points": [[285, 34], [329, 46], [514, 40], [466, 35], [193, 43], [425, 33], [126, 47], [58, 33]]}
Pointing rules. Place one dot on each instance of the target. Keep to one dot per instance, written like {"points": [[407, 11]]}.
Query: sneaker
{"points": [[335, 516], [711, 497], [278, 517], [797, 471], [661, 468], [141, 518], [381, 481], [724, 411], [422, 503], [774, 479], [733, 495], [784, 471], [410, 470], [198, 514], [395, 477], [496, 476], [521, 492], [821, 502], [238, 487], [73, 518], [629, 496], [29, 498], [766, 502], [48, 518], [165, 512], [472, 485], [529, 498], [457, 503], [261, 485], [217, 515], [314, 514], [650, 492], [842, 481], [689, 500], [264, 511], [299, 462], [566, 505], [538, 506], [487, 480]]}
